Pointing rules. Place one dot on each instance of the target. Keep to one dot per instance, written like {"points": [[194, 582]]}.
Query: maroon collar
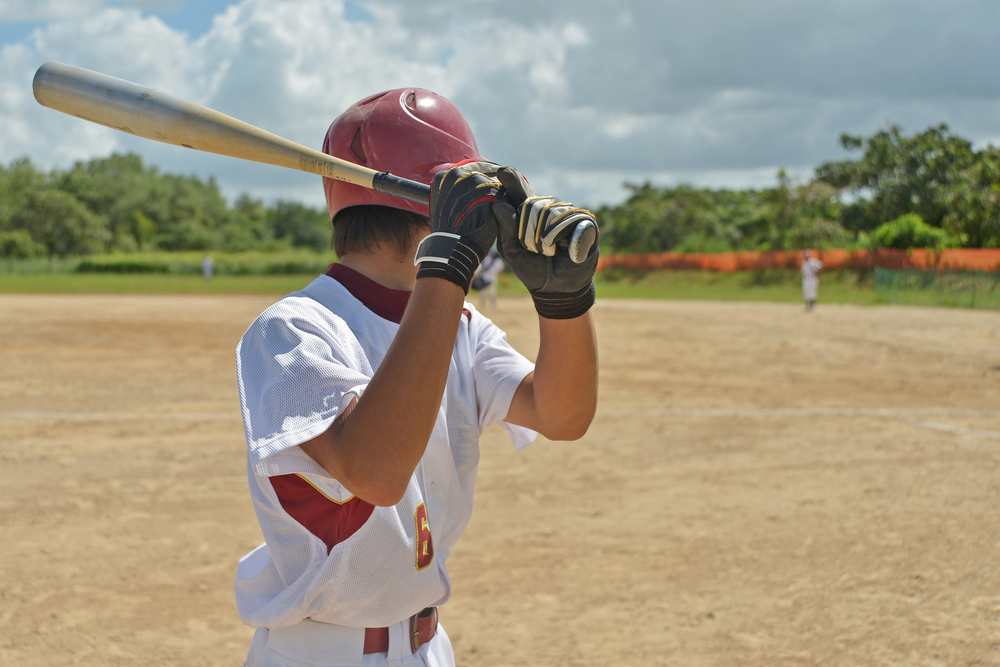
{"points": [[387, 303]]}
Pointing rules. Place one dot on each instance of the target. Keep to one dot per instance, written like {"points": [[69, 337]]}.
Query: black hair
{"points": [[371, 227]]}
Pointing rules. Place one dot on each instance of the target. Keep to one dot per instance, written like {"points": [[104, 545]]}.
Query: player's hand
{"points": [[530, 230], [463, 226]]}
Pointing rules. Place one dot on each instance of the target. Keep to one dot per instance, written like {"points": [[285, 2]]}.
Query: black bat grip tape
{"points": [[403, 188]]}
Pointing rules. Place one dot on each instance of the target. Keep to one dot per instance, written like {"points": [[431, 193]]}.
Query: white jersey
{"points": [[490, 269], [810, 280], [329, 556]]}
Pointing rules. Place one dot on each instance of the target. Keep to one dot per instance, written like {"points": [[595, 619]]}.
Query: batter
{"points": [[364, 395]]}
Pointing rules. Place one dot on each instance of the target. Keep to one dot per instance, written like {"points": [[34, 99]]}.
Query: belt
{"points": [[423, 627]]}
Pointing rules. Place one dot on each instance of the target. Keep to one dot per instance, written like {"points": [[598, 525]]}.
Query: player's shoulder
{"points": [[318, 307], [480, 328]]}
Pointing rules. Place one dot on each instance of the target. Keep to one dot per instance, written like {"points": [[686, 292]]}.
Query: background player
{"points": [[810, 279], [487, 276], [365, 394]]}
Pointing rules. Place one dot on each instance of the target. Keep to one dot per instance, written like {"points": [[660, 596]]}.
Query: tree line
{"points": [[930, 189], [119, 204]]}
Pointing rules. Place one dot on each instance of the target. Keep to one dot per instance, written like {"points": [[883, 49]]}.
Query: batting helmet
{"points": [[410, 132]]}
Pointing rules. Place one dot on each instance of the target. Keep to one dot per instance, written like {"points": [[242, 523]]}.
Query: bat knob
{"points": [[581, 241]]}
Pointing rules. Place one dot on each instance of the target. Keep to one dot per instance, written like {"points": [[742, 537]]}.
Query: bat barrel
{"points": [[148, 113]]}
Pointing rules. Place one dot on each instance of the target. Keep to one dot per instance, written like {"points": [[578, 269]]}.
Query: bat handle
{"points": [[403, 188], [577, 245]]}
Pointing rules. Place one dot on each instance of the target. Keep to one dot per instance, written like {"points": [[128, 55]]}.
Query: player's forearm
{"points": [[563, 391], [374, 450]]}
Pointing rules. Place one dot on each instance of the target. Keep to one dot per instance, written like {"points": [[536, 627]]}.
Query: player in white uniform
{"points": [[810, 279], [364, 395], [486, 278]]}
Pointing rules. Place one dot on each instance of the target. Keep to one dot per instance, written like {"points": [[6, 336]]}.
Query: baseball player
{"points": [[364, 394], [486, 277], [810, 279]]}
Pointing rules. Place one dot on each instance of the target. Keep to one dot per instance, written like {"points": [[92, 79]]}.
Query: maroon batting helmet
{"points": [[410, 132]]}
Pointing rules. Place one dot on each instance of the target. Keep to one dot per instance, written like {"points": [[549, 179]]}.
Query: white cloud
{"points": [[289, 67], [50, 10], [569, 92]]}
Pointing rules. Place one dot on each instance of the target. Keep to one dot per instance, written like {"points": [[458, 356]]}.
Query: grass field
{"points": [[845, 287], [778, 286]]}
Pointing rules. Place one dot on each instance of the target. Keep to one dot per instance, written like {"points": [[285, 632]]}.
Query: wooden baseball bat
{"points": [[144, 112]]}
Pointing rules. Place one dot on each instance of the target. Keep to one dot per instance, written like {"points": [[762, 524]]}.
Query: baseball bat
{"points": [[144, 112]]}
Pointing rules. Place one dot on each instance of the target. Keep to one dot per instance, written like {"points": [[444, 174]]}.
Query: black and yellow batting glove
{"points": [[463, 226], [531, 231]]}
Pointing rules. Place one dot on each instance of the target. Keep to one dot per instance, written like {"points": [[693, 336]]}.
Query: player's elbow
{"points": [[566, 433], [369, 479], [571, 428], [384, 497], [378, 488]]}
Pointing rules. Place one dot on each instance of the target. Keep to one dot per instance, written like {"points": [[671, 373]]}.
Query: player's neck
{"points": [[388, 269]]}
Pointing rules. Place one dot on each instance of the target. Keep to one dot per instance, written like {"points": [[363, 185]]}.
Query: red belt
{"points": [[423, 627]]}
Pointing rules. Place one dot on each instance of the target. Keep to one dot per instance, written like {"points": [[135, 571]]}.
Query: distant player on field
{"points": [[486, 277], [364, 395], [810, 279]]}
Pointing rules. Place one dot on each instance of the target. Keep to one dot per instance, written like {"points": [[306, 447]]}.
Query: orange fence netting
{"points": [[953, 259]]}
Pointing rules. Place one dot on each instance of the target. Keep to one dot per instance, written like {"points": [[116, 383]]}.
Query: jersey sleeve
{"points": [[499, 370], [298, 366]]}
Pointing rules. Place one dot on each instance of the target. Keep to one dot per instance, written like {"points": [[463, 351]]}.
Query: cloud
{"points": [[50, 10], [289, 67], [580, 95]]}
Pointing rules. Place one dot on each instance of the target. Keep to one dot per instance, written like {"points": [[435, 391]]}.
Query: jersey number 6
{"points": [[425, 545]]}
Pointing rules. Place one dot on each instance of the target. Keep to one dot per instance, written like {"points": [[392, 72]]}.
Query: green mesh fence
{"points": [[964, 289]]}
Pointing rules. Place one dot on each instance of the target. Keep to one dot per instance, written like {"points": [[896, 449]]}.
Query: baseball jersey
{"points": [[328, 555], [810, 280], [491, 268]]}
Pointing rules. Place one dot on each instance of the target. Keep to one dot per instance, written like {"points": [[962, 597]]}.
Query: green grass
{"points": [[959, 289], [292, 261], [116, 283], [777, 285], [782, 286], [276, 274]]}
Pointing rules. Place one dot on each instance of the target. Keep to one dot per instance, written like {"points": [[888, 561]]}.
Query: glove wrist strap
{"points": [[565, 306], [448, 256]]}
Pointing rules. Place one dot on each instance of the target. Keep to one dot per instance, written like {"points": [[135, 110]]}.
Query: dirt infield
{"points": [[761, 487]]}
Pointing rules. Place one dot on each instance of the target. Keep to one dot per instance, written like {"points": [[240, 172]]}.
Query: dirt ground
{"points": [[761, 486]]}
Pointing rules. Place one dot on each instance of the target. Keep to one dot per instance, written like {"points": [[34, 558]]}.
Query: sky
{"points": [[582, 96]]}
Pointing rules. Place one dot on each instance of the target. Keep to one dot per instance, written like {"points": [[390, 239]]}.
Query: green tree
{"points": [[145, 209], [910, 231], [300, 226], [18, 244], [57, 220], [688, 219], [899, 174], [247, 226], [973, 201], [16, 181], [656, 219]]}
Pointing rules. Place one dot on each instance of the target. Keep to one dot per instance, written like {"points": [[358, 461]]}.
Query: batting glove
{"points": [[531, 229], [463, 227]]}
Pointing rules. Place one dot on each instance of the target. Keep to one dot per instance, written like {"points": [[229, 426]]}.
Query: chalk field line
{"points": [[649, 412], [123, 416]]}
